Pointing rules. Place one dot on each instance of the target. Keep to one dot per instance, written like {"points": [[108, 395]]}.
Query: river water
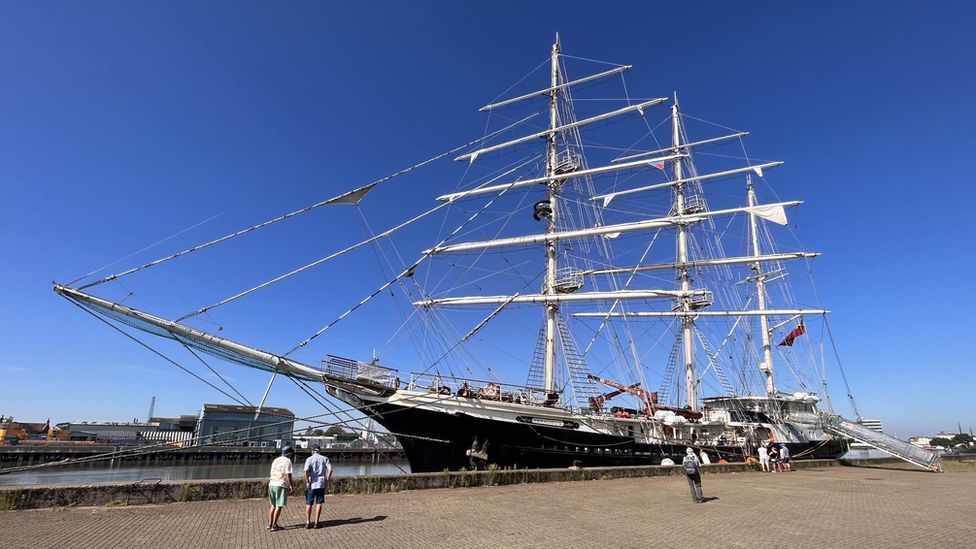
{"points": [[128, 474]]}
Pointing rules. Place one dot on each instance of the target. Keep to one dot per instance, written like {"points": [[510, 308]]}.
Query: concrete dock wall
{"points": [[22, 455], [35, 497], [31, 497]]}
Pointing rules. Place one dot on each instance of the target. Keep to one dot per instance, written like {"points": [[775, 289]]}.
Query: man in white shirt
{"points": [[318, 472], [764, 458], [280, 480]]}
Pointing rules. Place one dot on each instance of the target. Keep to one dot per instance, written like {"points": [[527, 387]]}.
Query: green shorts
{"points": [[277, 495]]}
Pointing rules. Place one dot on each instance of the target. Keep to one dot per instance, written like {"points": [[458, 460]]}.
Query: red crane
{"points": [[649, 398], [596, 402]]}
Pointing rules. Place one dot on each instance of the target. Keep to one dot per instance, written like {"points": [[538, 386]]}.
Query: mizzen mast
{"points": [[552, 307], [767, 366]]}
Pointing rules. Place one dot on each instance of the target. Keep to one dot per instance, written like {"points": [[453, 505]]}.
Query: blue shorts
{"points": [[315, 495]]}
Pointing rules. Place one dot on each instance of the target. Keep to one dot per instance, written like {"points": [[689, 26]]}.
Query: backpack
{"points": [[690, 465]]}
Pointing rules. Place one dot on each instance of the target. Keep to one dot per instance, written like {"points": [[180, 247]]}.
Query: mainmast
{"points": [[687, 321], [551, 307], [767, 365]]}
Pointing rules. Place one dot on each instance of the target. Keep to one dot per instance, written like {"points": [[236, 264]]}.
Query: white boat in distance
{"points": [[630, 247]]}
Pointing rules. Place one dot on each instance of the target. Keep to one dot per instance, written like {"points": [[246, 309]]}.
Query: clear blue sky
{"points": [[122, 123]]}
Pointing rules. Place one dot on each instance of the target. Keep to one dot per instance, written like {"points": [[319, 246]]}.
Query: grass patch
{"points": [[189, 490], [9, 499], [492, 476]]}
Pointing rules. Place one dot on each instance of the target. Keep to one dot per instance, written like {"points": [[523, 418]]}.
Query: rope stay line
{"points": [[409, 271], [216, 373], [151, 349], [484, 322], [324, 402], [350, 197], [167, 446], [331, 256], [145, 248]]}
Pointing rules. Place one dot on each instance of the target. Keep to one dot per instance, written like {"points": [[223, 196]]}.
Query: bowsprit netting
{"points": [[204, 342]]}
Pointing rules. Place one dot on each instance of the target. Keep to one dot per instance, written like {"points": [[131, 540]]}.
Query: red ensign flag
{"points": [[797, 332]]}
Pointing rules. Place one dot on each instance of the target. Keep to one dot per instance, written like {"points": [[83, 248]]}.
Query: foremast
{"points": [[684, 278], [767, 366], [551, 306]]}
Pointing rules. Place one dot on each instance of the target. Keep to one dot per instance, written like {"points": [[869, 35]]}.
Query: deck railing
{"points": [[484, 389]]}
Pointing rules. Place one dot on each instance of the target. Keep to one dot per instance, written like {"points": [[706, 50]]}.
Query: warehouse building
{"points": [[239, 426]]}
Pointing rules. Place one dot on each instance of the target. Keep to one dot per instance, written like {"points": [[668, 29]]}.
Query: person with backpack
{"points": [[784, 458], [692, 469]]}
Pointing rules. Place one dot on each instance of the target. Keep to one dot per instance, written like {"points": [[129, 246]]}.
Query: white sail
{"points": [[548, 91], [683, 146], [702, 263], [557, 298], [745, 312], [607, 230], [606, 198], [472, 156], [650, 162]]}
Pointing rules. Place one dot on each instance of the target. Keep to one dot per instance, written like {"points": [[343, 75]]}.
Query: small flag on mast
{"points": [[797, 332]]}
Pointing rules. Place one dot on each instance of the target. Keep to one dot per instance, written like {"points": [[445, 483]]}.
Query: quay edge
{"points": [[93, 495]]}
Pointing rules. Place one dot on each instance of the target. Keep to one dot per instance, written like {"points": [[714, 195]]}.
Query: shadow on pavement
{"points": [[355, 520]]}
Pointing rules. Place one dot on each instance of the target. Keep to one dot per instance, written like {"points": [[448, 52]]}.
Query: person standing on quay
{"points": [[692, 469], [764, 458], [280, 480], [784, 458], [318, 473]]}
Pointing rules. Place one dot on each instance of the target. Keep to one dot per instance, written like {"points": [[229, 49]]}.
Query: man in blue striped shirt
{"points": [[318, 472]]}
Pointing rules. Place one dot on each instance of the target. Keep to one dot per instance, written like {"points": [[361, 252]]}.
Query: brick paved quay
{"points": [[831, 507]]}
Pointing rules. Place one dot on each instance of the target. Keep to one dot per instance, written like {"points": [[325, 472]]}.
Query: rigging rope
{"points": [[154, 351], [409, 271], [144, 248], [850, 396], [308, 266], [363, 189], [322, 260], [324, 402], [212, 370]]}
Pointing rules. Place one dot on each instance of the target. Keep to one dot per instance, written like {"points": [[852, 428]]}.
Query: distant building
{"points": [[237, 425], [13, 432], [874, 425], [921, 442], [182, 423], [172, 429], [107, 432], [345, 440]]}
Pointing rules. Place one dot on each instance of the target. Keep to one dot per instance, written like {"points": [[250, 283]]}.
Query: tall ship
{"points": [[633, 314]]}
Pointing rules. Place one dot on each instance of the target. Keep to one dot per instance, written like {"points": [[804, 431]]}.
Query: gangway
{"points": [[925, 459]]}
